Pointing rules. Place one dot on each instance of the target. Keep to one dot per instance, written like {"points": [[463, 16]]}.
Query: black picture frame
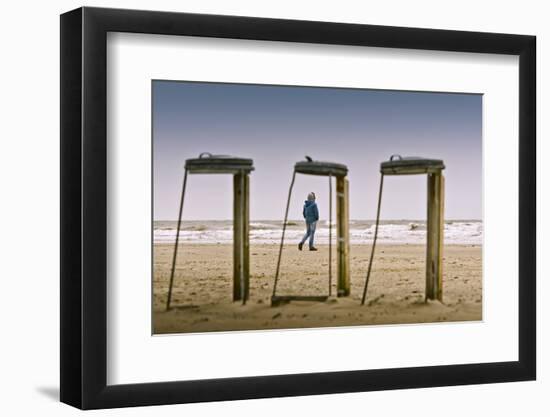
{"points": [[84, 207]]}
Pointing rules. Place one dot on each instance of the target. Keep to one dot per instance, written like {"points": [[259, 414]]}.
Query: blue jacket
{"points": [[311, 212]]}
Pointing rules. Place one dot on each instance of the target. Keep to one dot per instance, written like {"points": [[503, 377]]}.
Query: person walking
{"points": [[311, 216]]}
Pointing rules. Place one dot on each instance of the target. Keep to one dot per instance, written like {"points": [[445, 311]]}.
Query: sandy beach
{"points": [[203, 287]]}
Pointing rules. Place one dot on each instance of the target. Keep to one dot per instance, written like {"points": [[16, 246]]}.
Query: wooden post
{"points": [[245, 238], [240, 237], [434, 250], [342, 214]]}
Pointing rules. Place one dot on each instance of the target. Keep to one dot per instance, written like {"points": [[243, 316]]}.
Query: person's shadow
{"points": [[51, 392]]}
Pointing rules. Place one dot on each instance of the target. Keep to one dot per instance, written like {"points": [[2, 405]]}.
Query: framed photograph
{"points": [[258, 208]]}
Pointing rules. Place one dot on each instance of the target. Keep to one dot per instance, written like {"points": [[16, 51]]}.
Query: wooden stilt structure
{"points": [[240, 168], [339, 171], [434, 224]]}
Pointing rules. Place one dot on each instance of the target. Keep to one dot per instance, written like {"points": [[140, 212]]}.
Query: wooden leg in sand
{"points": [[342, 214], [434, 250], [173, 270], [240, 237], [246, 242]]}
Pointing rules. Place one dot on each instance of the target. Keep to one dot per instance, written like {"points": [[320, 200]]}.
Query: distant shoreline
{"points": [[465, 232]]}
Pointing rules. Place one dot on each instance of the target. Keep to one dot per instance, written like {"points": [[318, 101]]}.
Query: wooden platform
{"points": [[323, 168], [411, 165], [207, 163]]}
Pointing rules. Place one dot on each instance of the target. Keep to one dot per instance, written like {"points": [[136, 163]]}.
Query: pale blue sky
{"points": [[277, 125]]}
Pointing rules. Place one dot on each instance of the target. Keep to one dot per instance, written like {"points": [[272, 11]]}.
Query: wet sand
{"points": [[202, 294]]}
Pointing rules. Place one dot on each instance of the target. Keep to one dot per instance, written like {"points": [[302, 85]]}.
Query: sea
{"points": [[459, 232]]}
